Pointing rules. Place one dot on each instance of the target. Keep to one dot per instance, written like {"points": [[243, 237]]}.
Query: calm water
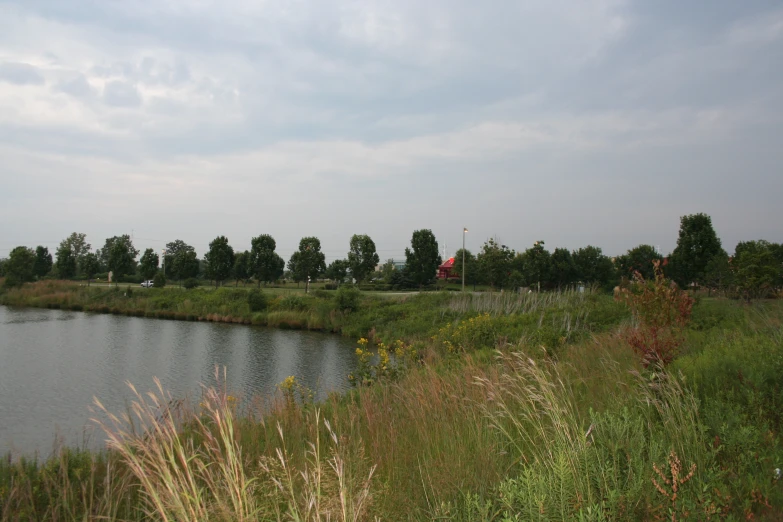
{"points": [[52, 363]]}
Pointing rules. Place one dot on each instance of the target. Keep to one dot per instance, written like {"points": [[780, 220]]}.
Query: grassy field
{"points": [[496, 407]]}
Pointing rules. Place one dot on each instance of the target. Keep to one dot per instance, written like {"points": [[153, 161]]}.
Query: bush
{"points": [[136, 279], [322, 294], [330, 286], [159, 281], [294, 302], [256, 299], [347, 298], [129, 292], [190, 283]]}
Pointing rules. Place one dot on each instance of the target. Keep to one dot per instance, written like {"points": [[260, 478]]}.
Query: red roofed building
{"points": [[446, 270]]}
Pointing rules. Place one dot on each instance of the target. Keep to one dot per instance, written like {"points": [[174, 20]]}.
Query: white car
{"points": [[147, 284]]}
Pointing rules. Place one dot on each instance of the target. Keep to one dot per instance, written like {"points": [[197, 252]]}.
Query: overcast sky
{"points": [[573, 122]]}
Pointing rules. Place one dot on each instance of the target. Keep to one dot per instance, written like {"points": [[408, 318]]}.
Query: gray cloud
{"points": [[76, 86], [121, 94], [20, 74]]}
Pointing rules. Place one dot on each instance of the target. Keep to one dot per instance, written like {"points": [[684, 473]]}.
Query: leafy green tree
{"points": [[638, 259], [493, 263], [387, 269], [89, 266], [43, 262], [265, 264], [535, 265], [148, 264], [219, 260], [362, 257], [696, 246], [78, 244], [308, 261], [755, 269], [592, 266], [185, 265], [241, 262], [422, 259], [3, 264], [120, 256], [19, 266], [471, 267], [562, 268], [717, 273], [66, 262], [172, 250], [337, 270]]}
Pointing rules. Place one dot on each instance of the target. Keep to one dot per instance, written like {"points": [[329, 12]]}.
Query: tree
{"points": [[638, 259], [755, 269], [493, 263], [241, 262], [66, 262], [717, 273], [535, 265], [362, 257], [219, 260], [696, 246], [78, 244], [307, 262], [562, 268], [172, 250], [3, 264], [19, 266], [422, 259], [265, 264], [185, 265], [148, 264], [471, 267], [592, 266], [43, 262], [387, 270], [89, 265], [120, 256], [337, 270]]}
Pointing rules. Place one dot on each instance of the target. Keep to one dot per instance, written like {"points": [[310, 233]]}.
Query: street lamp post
{"points": [[464, 231]]}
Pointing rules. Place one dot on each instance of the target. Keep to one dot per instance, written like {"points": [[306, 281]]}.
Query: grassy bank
{"points": [[521, 408]]}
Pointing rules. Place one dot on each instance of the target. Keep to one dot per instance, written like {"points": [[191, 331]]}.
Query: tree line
{"points": [[754, 270]]}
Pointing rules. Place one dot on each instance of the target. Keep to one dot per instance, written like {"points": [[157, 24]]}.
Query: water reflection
{"points": [[53, 363]]}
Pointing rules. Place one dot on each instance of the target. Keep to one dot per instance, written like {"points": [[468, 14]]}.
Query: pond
{"points": [[53, 362]]}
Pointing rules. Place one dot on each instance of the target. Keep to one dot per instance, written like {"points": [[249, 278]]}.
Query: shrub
{"points": [[129, 292], [347, 298], [190, 283], [322, 294], [294, 302], [159, 281], [256, 299]]}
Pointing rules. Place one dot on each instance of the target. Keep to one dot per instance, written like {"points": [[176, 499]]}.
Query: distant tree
{"points": [[308, 261], [89, 266], [362, 257], [148, 264], [66, 262], [19, 266], [185, 265], [535, 264], [265, 264], [638, 259], [593, 267], [562, 268], [422, 259], [387, 269], [241, 262], [43, 262], [172, 250], [121, 256], [755, 269], [493, 263], [471, 267], [337, 270], [78, 244], [219, 260], [3, 264], [696, 246], [717, 273]]}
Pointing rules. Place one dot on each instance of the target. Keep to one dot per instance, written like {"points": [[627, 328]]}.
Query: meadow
{"points": [[468, 407]]}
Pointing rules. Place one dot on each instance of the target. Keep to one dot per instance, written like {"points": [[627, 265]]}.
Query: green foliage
{"points": [[494, 263], [256, 300], [264, 263], [469, 334], [185, 265], [422, 259], [190, 283], [219, 261], [173, 249], [471, 269], [20, 265], [241, 264], [535, 264], [293, 302], [755, 269], [562, 268], [89, 265], [43, 262], [696, 247], [148, 264], [66, 262], [362, 257], [638, 259], [347, 298], [592, 267], [308, 261], [337, 270], [119, 255], [159, 280]]}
